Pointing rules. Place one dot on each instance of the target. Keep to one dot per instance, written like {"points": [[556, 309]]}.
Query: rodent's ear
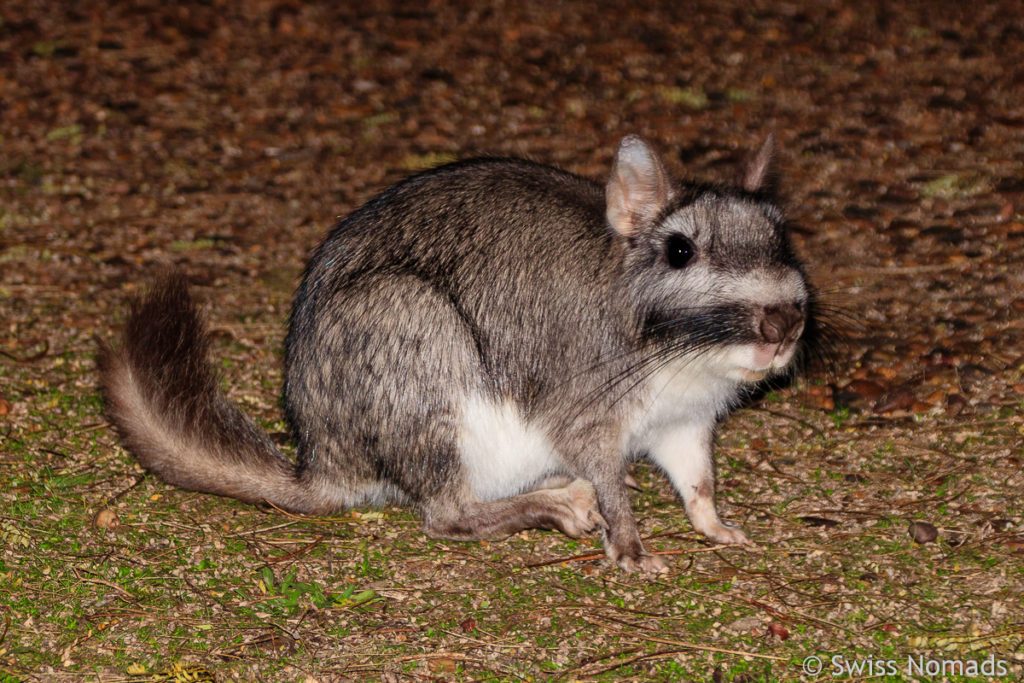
{"points": [[759, 173], [638, 187]]}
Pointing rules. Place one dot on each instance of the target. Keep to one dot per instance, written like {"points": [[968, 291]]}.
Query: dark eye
{"points": [[678, 251]]}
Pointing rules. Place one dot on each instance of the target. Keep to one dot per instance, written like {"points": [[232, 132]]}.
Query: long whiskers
{"points": [[689, 334], [704, 332]]}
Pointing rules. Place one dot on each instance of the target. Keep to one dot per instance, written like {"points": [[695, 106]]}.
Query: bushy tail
{"points": [[161, 395]]}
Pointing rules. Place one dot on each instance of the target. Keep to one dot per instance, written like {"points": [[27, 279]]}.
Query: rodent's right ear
{"points": [[638, 187]]}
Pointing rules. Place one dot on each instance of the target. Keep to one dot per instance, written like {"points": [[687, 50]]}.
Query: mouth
{"points": [[763, 360], [772, 356]]}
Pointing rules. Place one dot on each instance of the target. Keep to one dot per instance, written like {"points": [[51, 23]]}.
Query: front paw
{"points": [[637, 560], [652, 564], [726, 533]]}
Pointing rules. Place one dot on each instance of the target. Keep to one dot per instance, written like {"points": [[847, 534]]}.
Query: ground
{"points": [[226, 137]]}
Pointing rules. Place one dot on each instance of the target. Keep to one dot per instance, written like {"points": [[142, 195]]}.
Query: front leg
{"points": [[594, 451], [622, 541], [684, 453]]}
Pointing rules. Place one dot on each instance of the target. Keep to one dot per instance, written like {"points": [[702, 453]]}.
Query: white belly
{"points": [[682, 392], [502, 455]]}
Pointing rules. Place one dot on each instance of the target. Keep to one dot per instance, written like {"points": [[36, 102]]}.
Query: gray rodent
{"points": [[490, 342]]}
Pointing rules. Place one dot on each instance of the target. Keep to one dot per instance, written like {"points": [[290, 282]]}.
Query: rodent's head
{"points": [[708, 268]]}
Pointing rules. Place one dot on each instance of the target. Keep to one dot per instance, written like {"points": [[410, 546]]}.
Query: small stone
{"points": [[897, 399], [922, 532], [745, 625], [105, 519], [866, 389]]}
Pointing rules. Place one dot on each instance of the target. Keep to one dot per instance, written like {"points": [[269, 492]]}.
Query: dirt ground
{"points": [[225, 138]]}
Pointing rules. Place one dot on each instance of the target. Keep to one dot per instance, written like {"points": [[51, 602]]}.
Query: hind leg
{"points": [[377, 371], [571, 509]]}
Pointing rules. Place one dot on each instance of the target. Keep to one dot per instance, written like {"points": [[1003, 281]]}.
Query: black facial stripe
{"points": [[703, 327]]}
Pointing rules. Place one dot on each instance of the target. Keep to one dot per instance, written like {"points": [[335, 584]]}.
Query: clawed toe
{"points": [[585, 518], [651, 564], [728, 535], [636, 559]]}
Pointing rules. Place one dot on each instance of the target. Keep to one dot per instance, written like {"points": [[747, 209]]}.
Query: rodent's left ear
{"points": [[760, 174], [638, 187]]}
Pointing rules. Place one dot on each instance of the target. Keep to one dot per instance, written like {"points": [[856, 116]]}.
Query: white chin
{"points": [[748, 375], [756, 375], [754, 362]]}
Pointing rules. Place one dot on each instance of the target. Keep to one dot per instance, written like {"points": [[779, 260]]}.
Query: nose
{"points": [[781, 322]]}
